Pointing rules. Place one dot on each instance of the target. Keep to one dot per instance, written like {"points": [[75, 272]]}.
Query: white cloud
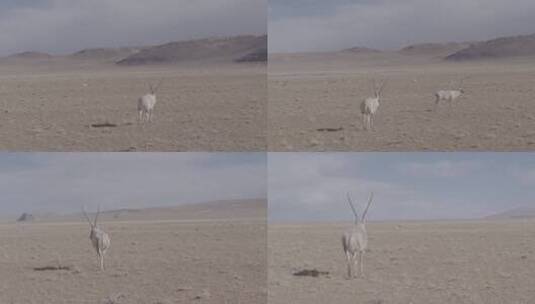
{"points": [[315, 185]]}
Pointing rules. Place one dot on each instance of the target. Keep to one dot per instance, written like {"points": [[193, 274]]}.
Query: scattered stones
{"points": [[310, 273], [51, 268], [205, 294], [104, 125]]}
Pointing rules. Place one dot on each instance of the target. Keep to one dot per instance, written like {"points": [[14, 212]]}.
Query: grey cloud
{"points": [[61, 26], [393, 24], [62, 182]]}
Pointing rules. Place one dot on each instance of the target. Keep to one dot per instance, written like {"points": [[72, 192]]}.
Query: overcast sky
{"points": [[62, 182], [318, 25], [61, 26], [313, 186]]}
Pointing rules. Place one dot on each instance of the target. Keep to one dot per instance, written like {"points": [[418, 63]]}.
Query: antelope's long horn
{"points": [[367, 207], [96, 215], [352, 206], [86, 216]]}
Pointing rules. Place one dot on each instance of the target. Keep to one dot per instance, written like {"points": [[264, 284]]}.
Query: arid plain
{"points": [[314, 101], [206, 253], [87, 101], [487, 262]]}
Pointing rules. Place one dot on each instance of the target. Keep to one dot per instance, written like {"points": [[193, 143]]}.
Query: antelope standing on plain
{"points": [[146, 103], [369, 106], [355, 241], [449, 95], [99, 239]]}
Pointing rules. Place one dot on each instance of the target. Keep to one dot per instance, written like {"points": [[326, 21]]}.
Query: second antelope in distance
{"points": [[369, 106], [146, 103], [99, 239], [355, 241], [449, 95]]}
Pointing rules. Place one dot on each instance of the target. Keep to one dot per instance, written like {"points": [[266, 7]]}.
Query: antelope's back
{"points": [[350, 241], [146, 101]]}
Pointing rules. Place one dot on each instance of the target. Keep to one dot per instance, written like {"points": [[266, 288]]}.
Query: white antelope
{"points": [[146, 103], [99, 239], [369, 106], [449, 95], [355, 241]]}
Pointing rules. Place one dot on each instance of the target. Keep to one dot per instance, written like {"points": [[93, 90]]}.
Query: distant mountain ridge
{"points": [[30, 55], [106, 53], [237, 49], [504, 47], [517, 213], [231, 49], [439, 49], [228, 209], [361, 50]]}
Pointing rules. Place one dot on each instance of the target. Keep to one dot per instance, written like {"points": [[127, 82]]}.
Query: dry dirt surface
{"points": [[487, 262], [74, 105], [314, 103], [149, 262]]}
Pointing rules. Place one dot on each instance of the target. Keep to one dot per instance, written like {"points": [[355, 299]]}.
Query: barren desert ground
{"points": [[314, 103], [149, 262], [93, 107], [490, 262]]}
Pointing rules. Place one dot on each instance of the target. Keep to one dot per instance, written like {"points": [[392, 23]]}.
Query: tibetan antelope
{"points": [[369, 106], [99, 239], [355, 241], [449, 95], [146, 103]]}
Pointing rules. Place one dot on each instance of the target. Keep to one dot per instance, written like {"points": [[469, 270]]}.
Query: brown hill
{"points": [[361, 50], [517, 213], [504, 47], [201, 211], [231, 49], [259, 55], [234, 209], [434, 49], [30, 55], [111, 54]]}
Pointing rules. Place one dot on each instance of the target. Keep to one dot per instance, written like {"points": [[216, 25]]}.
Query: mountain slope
{"points": [[231, 49], [435, 49], [111, 54], [503, 47], [234, 209], [361, 50], [522, 212]]}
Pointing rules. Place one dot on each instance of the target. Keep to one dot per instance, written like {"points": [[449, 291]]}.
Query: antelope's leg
{"points": [[348, 257], [361, 262], [355, 261]]}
